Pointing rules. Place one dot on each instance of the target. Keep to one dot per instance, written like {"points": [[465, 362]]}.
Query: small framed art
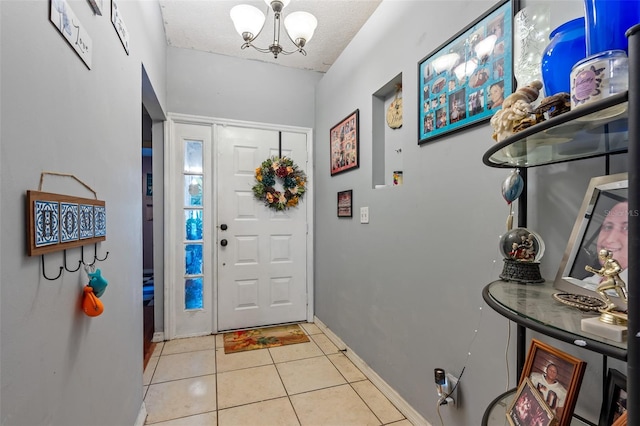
{"points": [[614, 406], [464, 81], [528, 408], [345, 203], [602, 223], [556, 376], [345, 144]]}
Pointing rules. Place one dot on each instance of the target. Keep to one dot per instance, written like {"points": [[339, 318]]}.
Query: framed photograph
{"points": [[614, 406], [345, 203], [528, 408], [345, 144], [601, 224], [464, 81], [556, 376]]}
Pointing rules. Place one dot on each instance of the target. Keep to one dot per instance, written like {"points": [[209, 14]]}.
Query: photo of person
{"points": [[608, 230], [496, 27], [438, 85], [428, 122], [498, 49], [498, 69], [547, 383], [441, 118], [528, 410], [476, 102], [496, 95], [452, 85], [479, 78], [457, 110]]}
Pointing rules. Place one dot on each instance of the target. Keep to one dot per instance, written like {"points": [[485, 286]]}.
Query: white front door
{"points": [[262, 275], [262, 269]]}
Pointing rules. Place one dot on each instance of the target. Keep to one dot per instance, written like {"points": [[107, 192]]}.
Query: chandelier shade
{"points": [[247, 19], [300, 26], [249, 22]]}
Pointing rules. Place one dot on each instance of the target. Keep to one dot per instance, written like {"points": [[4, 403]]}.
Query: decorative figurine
{"points": [[512, 189], [516, 111], [522, 250], [611, 281]]}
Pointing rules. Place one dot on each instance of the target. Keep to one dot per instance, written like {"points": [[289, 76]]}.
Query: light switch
{"points": [[364, 214]]}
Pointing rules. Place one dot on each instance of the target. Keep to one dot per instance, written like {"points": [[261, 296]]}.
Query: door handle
{"points": [[224, 226], [223, 243]]}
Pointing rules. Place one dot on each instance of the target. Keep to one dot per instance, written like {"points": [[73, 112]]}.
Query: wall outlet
{"points": [[364, 214], [450, 388]]}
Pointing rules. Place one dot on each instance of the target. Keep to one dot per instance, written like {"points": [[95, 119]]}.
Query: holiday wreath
{"points": [[286, 172]]}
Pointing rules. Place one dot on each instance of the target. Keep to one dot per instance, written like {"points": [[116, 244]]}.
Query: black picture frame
{"points": [[345, 203], [447, 103], [344, 144], [614, 405]]}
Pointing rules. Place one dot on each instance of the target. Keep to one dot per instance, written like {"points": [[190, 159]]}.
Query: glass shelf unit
{"points": [[532, 306], [592, 130]]}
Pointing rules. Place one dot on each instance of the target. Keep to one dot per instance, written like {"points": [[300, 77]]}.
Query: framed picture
{"points": [[345, 203], [601, 224], [614, 406], [556, 376], [345, 144], [464, 81], [528, 408]]}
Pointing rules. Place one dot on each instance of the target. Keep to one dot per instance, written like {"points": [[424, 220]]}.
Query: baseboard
{"points": [[403, 406], [142, 415], [158, 336]]}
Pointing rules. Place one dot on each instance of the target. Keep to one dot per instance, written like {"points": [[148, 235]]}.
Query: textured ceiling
{"points": [[205, 25]]}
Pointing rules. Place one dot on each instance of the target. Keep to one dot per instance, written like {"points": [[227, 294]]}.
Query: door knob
{"points": [[224, 226], [223, 243]]}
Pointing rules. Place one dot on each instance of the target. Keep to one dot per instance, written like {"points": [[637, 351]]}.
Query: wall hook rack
{"points": [[65, 263], [44, 274]]}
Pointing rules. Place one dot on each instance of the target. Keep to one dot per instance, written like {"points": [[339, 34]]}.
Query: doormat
{"points": [[247, 340]]}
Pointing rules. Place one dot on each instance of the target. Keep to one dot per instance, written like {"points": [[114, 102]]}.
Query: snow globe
{"points": [[522, 250]]}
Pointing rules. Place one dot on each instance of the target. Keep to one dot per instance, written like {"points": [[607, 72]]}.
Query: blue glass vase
{"points": [[606, 23], [567, 47]]}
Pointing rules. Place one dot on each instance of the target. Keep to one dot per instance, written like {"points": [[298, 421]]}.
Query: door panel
{"points": [[190, 265], [262, 275]]}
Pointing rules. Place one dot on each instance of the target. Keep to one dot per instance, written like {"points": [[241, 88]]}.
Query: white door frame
{"points": [[171, 188]]}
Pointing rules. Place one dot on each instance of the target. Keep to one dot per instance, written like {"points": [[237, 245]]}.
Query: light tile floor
{"points": [[192, 382]]}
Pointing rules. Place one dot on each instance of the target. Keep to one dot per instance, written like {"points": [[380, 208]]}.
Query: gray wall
{"points": [[59, 366], [211, 85], [404, 291]]}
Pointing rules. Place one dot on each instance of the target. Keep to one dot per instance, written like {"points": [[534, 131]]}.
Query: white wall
{"points": [[211, 85], [404, 291], [59, 366]]}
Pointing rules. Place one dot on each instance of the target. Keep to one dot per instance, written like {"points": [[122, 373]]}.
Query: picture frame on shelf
{"points": [[464, 81], [614, 405], [528, 407], [556, 376], [344, 144], [601, 223], [345, 203]]}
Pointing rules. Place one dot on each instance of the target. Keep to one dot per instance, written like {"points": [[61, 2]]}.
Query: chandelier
{"points": [[249, 22]]}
